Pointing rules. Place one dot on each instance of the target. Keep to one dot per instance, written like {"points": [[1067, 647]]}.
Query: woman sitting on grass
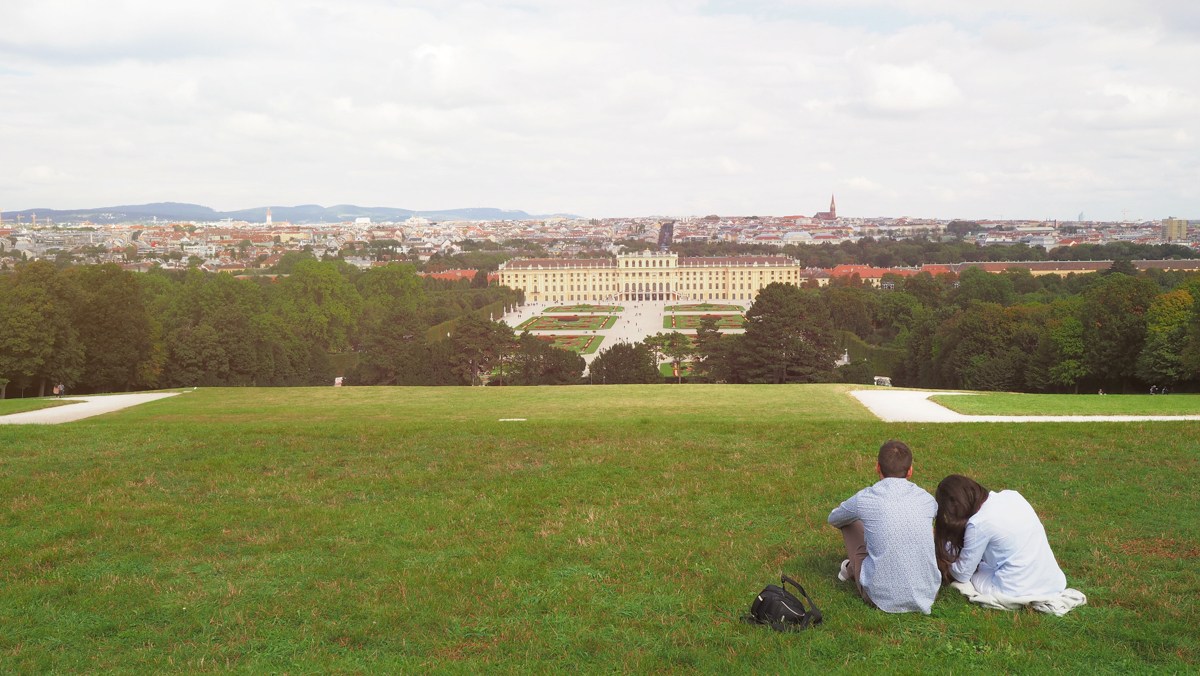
{"points": [[995, 540]]}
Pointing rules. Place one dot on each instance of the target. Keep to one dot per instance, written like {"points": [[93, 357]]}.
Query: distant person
{"points": [[886, 529], [1101, 392], [62, 389], [994, 540], [55, 390]]}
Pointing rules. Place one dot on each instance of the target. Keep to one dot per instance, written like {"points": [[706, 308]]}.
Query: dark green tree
{"points": [[114, 327], [624, 363], [536, 362], [38, 338], [319, 304], [789, 338], [1113, 315], [479, 345]]}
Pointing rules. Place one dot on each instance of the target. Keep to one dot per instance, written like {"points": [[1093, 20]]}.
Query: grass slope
{"points": [[1003, 403], [619, 529], [10, 406]]}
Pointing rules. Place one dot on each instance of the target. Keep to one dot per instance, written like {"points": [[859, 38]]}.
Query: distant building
{"points": [[362, 221], [268, 215], [1174, 229], [650, 276], [830, 215]]}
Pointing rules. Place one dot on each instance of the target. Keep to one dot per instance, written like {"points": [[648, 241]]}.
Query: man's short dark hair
{"points": [[894, 459]]}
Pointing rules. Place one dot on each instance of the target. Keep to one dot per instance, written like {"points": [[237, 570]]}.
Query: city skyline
{"points": [[931, 110]]}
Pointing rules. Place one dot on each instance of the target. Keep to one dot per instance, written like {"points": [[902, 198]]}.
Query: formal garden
{"points": [[703, 307], [686, 322], [579, 344], [568, 323]]}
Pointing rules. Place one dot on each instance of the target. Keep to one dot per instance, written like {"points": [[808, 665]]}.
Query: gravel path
{"points": [[913, 406], [88, 407]]}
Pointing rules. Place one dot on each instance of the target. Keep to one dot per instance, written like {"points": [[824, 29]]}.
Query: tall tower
{"points": [[268, 215], [832, 208]]}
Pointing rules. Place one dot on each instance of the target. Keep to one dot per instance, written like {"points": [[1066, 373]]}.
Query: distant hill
{"points": [[305, 213]]}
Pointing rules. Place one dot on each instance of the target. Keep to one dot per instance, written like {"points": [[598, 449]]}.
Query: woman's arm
{"points": [[975, 543]]}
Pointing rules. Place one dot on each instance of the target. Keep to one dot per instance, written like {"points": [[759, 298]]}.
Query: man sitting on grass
{"points": [[889, 538]]}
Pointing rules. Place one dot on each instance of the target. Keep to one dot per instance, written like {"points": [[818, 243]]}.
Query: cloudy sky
{"points": [[939, 108]]}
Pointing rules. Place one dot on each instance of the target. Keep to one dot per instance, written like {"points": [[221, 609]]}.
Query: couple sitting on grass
{"points": [[990, 546]]}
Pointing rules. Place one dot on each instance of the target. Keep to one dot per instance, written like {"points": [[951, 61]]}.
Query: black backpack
{"points": [[777, 608]]}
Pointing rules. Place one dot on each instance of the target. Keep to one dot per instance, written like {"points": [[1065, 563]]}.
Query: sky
{"points": [[941, 108]]}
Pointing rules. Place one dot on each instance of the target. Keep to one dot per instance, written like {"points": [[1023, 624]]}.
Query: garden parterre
{"points": [[568, 323], [692, 322]]}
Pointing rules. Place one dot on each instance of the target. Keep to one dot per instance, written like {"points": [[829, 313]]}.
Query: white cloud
{"points": [[42, 174], [606, 108], [910, 88]]}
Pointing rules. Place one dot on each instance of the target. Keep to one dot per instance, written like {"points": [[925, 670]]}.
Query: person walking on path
{"points": [[887, 530]]}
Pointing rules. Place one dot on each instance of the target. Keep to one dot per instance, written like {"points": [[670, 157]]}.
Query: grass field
{"points": [[620, 529], [569, 323], [580, 344], [583, 309], [703, 307], [10, 406], [1003, 403], [686, 322]]}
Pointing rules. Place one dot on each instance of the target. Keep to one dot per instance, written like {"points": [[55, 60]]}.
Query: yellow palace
{"points": [[648, 275]]}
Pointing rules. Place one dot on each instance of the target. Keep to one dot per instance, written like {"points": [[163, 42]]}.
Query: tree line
{"points": [[102, 329], [1117, 330], [99, 328]]}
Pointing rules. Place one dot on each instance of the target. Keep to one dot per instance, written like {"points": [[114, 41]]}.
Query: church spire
{"points": [[832, 207]]}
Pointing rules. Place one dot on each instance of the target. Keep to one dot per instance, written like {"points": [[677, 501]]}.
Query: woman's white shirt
{"points": [[1005, 550]]}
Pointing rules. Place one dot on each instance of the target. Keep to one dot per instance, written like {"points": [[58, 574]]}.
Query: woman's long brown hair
{"points": [[958, 499]]}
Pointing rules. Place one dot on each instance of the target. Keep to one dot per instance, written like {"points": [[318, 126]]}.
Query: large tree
{"points": [[114, 327], [1161, 361], [789, 338], [536, 362], [320, 304], [625, 363], [1114, 326], [479, 345], [38, 338]]}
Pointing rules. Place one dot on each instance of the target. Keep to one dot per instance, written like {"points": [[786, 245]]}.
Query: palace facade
{"points": [[652, 275]]}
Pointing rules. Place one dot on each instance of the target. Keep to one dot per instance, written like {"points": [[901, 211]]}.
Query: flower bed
{"points": [[580, 344]]}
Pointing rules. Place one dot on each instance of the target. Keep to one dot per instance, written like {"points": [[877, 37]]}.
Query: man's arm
{"points": [[975, 543], [845, 514]]}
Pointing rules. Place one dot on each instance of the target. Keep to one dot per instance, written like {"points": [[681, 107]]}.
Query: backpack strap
{"points": [[815, 613]]}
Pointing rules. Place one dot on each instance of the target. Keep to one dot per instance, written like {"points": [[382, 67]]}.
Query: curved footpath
{"points": [[88, 407], [913, 406]]}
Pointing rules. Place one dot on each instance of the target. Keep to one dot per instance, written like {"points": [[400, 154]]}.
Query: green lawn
{"points": [[10, 406], [619, 529], [1004, 403]]}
